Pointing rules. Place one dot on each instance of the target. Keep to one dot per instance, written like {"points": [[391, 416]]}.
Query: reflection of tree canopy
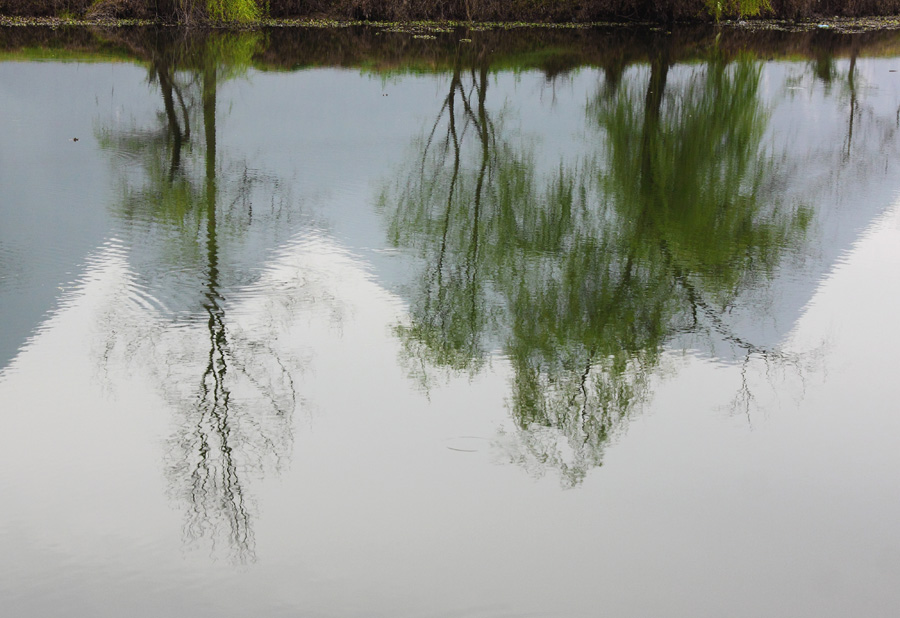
{"points": [[704, 195], [191, 215], [582, 275]]}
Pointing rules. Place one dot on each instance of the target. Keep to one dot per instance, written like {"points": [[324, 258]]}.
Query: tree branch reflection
{"points": [[582, 277], [236, 420]]}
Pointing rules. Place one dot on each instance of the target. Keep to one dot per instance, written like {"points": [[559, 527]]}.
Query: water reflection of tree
{"points": [[236, 419], [449, 321], [849, 84], [581, 277]]}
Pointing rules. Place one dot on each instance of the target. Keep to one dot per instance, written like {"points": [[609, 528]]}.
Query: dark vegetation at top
{"points": [[548, 11], [389, 51]]}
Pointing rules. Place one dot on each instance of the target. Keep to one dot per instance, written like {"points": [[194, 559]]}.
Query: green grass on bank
{"points": [[56, 54]]}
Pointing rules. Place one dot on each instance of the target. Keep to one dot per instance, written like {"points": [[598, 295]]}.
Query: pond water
{"points": [[473, 323]]}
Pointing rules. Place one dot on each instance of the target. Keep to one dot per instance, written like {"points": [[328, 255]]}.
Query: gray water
{"points": [[541, 323]]}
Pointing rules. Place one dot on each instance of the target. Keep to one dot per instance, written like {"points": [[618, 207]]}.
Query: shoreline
{"points": [[843, 25]]}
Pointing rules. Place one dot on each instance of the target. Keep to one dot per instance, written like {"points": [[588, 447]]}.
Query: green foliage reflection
{"points": [[705, 196], [581, 276]]}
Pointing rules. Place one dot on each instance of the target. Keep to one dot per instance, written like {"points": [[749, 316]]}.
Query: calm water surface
{"points": [[358, 323]]}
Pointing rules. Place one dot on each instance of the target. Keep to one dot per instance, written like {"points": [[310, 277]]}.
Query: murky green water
{"points": [[540, 323]]}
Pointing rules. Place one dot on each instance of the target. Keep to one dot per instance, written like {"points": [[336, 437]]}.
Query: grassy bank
{"points": [[539, 11]]}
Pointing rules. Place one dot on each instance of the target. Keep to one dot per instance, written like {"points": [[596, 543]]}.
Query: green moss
{"points": [[56, 54]]}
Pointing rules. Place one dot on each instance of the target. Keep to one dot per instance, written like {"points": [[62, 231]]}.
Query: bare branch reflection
{"points": [[201, 229]]}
